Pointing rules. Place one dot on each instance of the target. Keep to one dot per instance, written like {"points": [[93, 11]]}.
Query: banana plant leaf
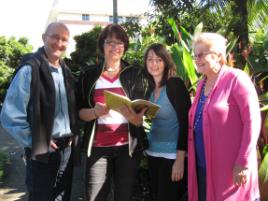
{"points": [[190, 68], [198, 29], [177, 54], [231, 45], [175, 30], [263, 170], [264, 108]]}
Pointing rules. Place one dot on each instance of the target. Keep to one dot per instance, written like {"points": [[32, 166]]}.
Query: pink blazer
{"points": [[231, 123]]}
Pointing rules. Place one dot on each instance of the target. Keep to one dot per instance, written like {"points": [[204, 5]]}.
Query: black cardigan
{"points": [[180, 100]]}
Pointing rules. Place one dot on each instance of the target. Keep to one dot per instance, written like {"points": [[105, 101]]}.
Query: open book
{"points": [[114, 101]]}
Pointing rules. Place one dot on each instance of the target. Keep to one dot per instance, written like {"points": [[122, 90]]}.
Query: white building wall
{"points": [[70, 12], [99, 18], [69, 16], [78, 17]]}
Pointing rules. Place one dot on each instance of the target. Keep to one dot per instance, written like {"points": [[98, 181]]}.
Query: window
{"points": [[111, 19], [120, 19], [85, 17]]}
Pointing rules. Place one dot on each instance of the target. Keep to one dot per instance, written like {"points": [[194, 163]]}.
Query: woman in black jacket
{"points": [[113, 141], [168, 132]]}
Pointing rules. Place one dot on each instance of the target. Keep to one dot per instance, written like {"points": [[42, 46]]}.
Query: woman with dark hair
{"points": [[113, 141], [168, 133]]}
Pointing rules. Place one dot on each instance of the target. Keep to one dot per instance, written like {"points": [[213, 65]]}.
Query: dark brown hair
{"points": [[169, 65], [113, 30]]}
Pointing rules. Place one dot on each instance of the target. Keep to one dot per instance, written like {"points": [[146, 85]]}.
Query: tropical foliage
{"points": [[236, 19], [4, 161], [85, 51], [11, 52]]}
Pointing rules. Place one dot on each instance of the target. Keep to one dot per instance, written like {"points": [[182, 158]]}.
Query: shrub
{"points": [[4, 160]]}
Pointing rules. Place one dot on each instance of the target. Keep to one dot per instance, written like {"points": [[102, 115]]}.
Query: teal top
{"points": [[163, 135]]}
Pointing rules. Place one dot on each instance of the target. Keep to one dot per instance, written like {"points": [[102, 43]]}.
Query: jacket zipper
{"points": [[129, 136]]}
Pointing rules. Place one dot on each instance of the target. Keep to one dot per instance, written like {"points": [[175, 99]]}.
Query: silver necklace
{"points": [[110, 69]]}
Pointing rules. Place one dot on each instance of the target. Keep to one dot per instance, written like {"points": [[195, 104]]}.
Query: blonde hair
{"points": [[215, 42]]}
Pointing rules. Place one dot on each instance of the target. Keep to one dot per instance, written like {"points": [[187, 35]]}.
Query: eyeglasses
{"points": [[57, 38], [202, 54], [114, 43]]}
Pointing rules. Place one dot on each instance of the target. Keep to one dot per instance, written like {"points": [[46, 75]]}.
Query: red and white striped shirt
{"points": [[112, 129]]}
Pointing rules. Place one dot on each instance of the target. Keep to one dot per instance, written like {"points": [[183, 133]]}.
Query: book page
{"points": [[152, 108], [115, 101]]}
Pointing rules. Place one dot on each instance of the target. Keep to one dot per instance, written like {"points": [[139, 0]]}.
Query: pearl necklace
{"points": [[110, 69]]}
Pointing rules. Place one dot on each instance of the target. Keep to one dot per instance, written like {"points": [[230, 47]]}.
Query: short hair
{"points": [[161, 51], [54, 24], [214, 41], [113, 30]]}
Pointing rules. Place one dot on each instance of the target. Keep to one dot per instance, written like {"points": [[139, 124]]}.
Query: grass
{"points": [[3, 161]]}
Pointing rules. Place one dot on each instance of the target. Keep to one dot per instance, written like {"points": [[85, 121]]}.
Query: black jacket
{"points": [[135, 85], [41, 107]]}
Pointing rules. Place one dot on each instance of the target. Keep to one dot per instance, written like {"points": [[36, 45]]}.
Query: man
{"points": [[39, 112]]}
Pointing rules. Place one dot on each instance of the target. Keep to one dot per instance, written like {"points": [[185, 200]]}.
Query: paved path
{"points": [[13, 188]]}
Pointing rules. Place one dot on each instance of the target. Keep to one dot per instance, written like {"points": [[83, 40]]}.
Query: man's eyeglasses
{"points": [[202, 54], [114, 43], [57, 38]]}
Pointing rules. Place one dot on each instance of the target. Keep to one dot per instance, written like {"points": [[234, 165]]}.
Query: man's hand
{"points": [[53, 145]]}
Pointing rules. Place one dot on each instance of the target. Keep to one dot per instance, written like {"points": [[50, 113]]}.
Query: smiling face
{"points": [[155, 65], [113, 49], [207, 61], [55, 41]]}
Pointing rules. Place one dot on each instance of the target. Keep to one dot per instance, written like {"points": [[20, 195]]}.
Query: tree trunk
{"points": [[241, 30]]}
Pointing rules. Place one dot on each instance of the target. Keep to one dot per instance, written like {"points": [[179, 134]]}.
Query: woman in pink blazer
{"points": [[224, 125]]}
